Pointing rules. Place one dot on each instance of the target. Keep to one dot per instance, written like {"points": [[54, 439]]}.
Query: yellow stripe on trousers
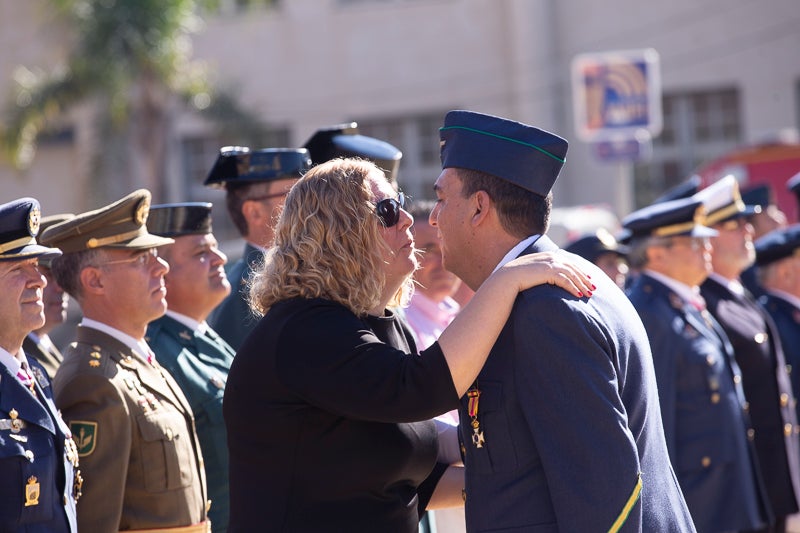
{"points": [[623, 515]]}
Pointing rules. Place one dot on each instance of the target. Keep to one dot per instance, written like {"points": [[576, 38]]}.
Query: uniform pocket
{"points": [[167, 453], [498, 453]]}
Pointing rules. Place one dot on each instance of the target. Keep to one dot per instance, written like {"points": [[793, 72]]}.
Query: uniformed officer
{"points": [[38, 344], [562, 427], [778, 263], [602, 249], [132, 424], [39, 480], [793, 185], [756, 345], [184, 344], [256, 184], [699, 382]]}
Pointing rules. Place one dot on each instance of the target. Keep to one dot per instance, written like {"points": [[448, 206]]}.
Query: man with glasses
{"points": [[133, 426], [256, 184], [702, 402], [756, 345]]}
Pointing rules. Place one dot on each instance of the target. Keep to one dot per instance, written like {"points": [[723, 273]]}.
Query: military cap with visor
{"points": [[344, 140], [20, 221], [778, 244], [722, 201], [592, 246], [526, 156], [684, 189], [239, 166], [175, 220], [682, 217], [121, 224]]}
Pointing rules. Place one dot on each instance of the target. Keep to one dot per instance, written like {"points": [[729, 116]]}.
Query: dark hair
{"points": [[522, 212], [235, 198]]}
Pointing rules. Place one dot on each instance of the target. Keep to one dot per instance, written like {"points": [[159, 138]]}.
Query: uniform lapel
{"points": [[14, 395]]}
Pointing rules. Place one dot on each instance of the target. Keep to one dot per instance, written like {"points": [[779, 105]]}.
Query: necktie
{"points": [[25, 377]]}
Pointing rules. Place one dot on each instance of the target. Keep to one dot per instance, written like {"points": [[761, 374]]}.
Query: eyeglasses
{"points": [[139, 260], [388, 210], [269, 196]]}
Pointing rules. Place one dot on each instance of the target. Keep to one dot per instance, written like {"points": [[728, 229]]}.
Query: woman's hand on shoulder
{"points": [[553, 268]]}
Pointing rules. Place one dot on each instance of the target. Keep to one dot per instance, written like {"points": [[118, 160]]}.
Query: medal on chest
{"points": [[473, 395]]}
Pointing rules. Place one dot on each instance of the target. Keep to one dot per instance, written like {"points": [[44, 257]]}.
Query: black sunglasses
{"points": [[388, 210]]}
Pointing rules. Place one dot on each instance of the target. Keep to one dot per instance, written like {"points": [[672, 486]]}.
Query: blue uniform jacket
{"points": [[232, 319], [569, 411], [39, 457], [759, 354], [200, 364], [703, 409], [787, 320]]}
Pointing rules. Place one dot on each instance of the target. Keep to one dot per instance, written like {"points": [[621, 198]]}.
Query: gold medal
{"points": [[32, 492]]}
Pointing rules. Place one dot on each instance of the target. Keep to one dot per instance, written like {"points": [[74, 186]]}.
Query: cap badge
{"points": [[34, 217], [142, 210]]}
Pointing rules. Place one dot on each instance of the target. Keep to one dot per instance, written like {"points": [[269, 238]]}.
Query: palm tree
{"points": [[131, 68]]}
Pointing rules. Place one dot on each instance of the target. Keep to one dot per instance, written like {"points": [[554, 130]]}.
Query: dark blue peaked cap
{"points": [[684, 216], [19, 225], [239, 165], [523, 155], [778, 244], [174, 220], [758, 195], [685, 189], [344, 140]]}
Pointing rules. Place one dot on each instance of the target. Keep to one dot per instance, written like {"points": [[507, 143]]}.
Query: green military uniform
{"points": [[133, 426], [135, 435], [199, 361]]}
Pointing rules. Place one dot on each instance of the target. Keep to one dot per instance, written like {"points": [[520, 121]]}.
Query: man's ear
{"points": [[91, 279], [482, 206], [252, 210]]}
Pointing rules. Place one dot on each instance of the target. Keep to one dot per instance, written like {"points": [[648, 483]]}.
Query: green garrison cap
{"points": [[121, 224], [20, 221]]}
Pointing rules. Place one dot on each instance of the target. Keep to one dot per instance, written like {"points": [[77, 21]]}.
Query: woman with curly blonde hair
{"points": [[327, 404]]}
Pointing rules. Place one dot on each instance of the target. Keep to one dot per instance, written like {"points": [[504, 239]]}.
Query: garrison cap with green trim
{"points": [[723, 201], [174, 220], [682, 217], [523, 155], [20, 221], [778, 244], [238, 165], [117, 225], [344, 140]]}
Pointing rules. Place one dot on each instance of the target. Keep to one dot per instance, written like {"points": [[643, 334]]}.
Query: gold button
{"points": [[710, 360], [737, 379], [706, 462], [787, 430], [169, 434], [715, 398], [746, 407], [65, 500], [751, 434], [760, 338], [784, 399], [788, 369]]}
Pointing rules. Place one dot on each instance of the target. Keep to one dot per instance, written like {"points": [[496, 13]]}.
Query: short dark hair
{"points": [[235, 198], [522, 212]]}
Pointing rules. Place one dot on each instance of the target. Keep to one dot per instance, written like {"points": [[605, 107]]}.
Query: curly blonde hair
{"points": [[328, 242]]}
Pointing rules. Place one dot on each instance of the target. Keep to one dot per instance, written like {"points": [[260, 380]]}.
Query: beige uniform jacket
{"points": [[139, 453]]}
